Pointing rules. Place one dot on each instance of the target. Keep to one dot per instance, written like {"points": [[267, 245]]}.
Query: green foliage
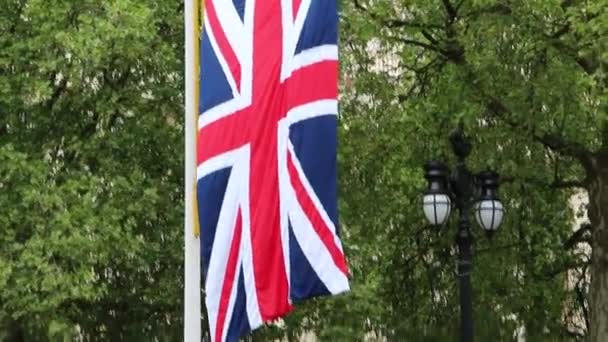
{"points": [[514, 73], [91, 170]]}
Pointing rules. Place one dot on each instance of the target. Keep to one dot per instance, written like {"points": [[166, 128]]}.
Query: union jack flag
{"points": [[266, 160]]}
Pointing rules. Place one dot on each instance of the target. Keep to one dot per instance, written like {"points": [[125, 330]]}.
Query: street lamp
{"points": [[464, 191]]}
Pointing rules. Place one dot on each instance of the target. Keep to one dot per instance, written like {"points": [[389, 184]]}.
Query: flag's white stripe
{"points": [[313, 196], [244, 51], [219, 254], [315, 251], [224, 160], [232, 298], [253, 309], [240, 172], [314, 55], [299, 23], [288, 38], [239, 34], [301, 113], [284, 186], [291, 36], [232, 25], [247, 53], [222, 110], [239, 160], [220, 56], [312, 110], [297, 114], [248, 19]]}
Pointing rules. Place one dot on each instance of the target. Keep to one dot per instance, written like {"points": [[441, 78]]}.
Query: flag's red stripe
{"points": [[272, 286], [223, 135], [222, 42], [229, 278], [315, 218], [311, 83]]}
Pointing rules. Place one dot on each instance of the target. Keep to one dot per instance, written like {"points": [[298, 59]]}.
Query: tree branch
{"points": [[581, 298], [429, 37], [552, 141], [500, 8], [565, 267], [556, 184], [565, 147], [359, 6], [559, 184], [421, 44], [418, 44], [583, 234], [588, 64], [452, 14], [557, 143], [398, 23]]}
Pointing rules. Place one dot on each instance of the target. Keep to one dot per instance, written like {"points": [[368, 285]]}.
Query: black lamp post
{"points": [[465, 191]]}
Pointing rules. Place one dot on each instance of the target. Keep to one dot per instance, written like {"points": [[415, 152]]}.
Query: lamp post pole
{"points": [[463, 239], [462, 184], [465, 191]]}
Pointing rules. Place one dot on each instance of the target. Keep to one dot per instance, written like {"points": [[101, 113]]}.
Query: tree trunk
{"points": [[598, 215]]}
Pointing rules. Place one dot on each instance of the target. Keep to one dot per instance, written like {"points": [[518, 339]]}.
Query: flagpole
{"points": [[192, 270]]}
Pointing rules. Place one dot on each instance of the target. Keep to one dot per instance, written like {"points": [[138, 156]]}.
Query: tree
{"points": [[528, 78], [90, 171], [91, 183]]}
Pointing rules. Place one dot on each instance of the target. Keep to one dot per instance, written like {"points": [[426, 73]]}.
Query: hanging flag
{"points": [[266, 160]]}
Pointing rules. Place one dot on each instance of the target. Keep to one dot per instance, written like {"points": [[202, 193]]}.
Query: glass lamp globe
{"points": [[489, 210], [489, 214], [436, 207], [436, 203]]}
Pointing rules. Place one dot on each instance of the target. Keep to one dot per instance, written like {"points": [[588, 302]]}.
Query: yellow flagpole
{"points": [[198, 21]]}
